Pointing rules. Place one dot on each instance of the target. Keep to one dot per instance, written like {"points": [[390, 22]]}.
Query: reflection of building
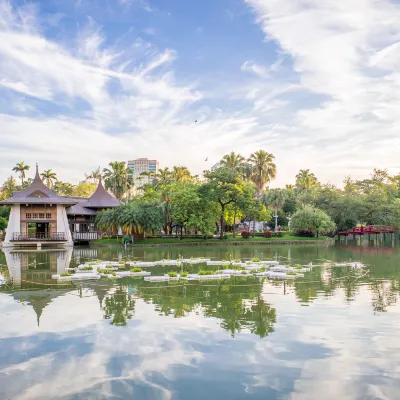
{"points": [[37, 216], [81, 216], [142, 165], [36, 266]]}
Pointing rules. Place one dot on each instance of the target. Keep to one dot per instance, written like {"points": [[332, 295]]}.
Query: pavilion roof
{"points": [[101, 199], [37, 193]]}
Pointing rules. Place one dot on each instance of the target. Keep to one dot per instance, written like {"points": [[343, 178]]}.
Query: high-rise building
{"points": [[141, 165]]}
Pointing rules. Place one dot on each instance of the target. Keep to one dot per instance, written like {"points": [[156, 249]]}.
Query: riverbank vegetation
{"points": [[229, 200]]}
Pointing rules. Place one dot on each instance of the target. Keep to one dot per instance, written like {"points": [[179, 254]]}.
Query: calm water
{"points": [[331, 335]]}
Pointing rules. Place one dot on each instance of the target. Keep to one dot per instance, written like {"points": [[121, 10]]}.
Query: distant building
{"points": [[215, 166], [141, 165]]}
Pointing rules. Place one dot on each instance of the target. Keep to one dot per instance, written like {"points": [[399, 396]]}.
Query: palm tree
{"points": [[118, 178], [275, 198], [21, 168], [306, 180], [163, 176], [49, 177], [94, 176], [181, 174], [264, 168], [232, 161]]}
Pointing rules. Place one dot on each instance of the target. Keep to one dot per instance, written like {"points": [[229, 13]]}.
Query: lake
{"points": [[330, 335]]}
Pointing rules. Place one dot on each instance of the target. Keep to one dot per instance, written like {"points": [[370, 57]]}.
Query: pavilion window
{"points": [[41, 215], [48, 215], [35, 215], [28, 215]]}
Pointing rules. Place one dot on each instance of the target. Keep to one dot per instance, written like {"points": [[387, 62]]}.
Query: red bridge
{"points": [[368, 230]]}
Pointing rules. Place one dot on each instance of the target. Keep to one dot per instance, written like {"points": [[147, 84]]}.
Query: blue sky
{"points": [[86, 82]]}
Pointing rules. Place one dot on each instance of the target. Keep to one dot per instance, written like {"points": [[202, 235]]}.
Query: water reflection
{"points": [[133, 339]]}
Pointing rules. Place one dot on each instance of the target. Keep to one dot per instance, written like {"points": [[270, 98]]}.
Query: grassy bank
{"points": [[230, 240]]}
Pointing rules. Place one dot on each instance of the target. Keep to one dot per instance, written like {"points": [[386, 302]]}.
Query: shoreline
{"points": [[221, 243]]}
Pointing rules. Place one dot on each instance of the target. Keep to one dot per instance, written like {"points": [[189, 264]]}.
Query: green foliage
{"points": [[88, 268], [136, 269], [5, 212], [66, 274], [118, 178], [184, 274], [172, 274], [206, 272], [3, 224], [311, 218]]}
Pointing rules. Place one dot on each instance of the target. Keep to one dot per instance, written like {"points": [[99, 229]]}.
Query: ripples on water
{"points": [[330, 335]]}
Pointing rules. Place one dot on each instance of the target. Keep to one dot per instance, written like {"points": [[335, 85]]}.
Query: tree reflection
{"points": [[119, 307], [238, 307]]}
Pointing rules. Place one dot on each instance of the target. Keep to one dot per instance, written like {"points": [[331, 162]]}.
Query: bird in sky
{"points": [[206, 159], [195, 121]]}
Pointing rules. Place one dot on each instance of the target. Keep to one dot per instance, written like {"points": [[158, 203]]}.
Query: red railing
{"points": [[39, 236], [368, 230]]}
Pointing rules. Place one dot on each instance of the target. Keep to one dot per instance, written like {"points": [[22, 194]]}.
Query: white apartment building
{"points": [[139, 166]]}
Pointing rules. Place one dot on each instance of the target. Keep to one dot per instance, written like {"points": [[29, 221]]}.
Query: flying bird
{"points": [[195, 121], [206, 159]]}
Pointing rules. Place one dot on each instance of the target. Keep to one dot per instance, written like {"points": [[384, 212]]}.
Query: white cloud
{"points": [[346, 51]]}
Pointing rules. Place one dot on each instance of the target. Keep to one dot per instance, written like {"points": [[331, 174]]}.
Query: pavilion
{"points": [[38, 216], [41, 217]]}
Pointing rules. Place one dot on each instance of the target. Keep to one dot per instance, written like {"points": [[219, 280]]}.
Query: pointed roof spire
{"points": [[37, 175], [101, 198]]}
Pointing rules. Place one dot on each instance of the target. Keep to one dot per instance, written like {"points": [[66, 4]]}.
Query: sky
{"points": [[315, 82]]}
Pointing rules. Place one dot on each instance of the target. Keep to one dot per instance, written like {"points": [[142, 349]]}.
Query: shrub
{"points": [[172, 274], [304, 233], [255, 259], [268, 234], [246, 234], [291, 273], [239, 268], [299, 267], [184, 274], [66, 274], [89, 268], [206, 273], [109, 266], [278, 234], [137, 269], [263, 269], [244, 273]]}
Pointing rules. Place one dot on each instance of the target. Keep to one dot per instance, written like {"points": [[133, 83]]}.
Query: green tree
{"points": [[49, 177], [63, 188], [21, 168], [224, 187], [232, 161], [84, 189], [8, 188], [275, 198], [311, 218], [264, 168], [3, 224], [94, 176], [306, 180], [118, 178]]}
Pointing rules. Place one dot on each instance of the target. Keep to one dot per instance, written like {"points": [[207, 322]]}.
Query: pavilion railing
{"points": [[39, 236], [85, 235]]}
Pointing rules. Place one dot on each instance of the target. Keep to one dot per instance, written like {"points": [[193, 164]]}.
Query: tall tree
{"points": [[232, 161], [264, 168], [94, 176], [9, 186], [306, 180], [224, 187], [275, 198], [49, 177], [181, 174], [21, 168], [312, 218], [118, 178], [163, 176]]}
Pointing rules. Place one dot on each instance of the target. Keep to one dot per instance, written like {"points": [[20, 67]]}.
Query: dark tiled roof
{"points": [[101, 199], [37, 193], [80, 209]]}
